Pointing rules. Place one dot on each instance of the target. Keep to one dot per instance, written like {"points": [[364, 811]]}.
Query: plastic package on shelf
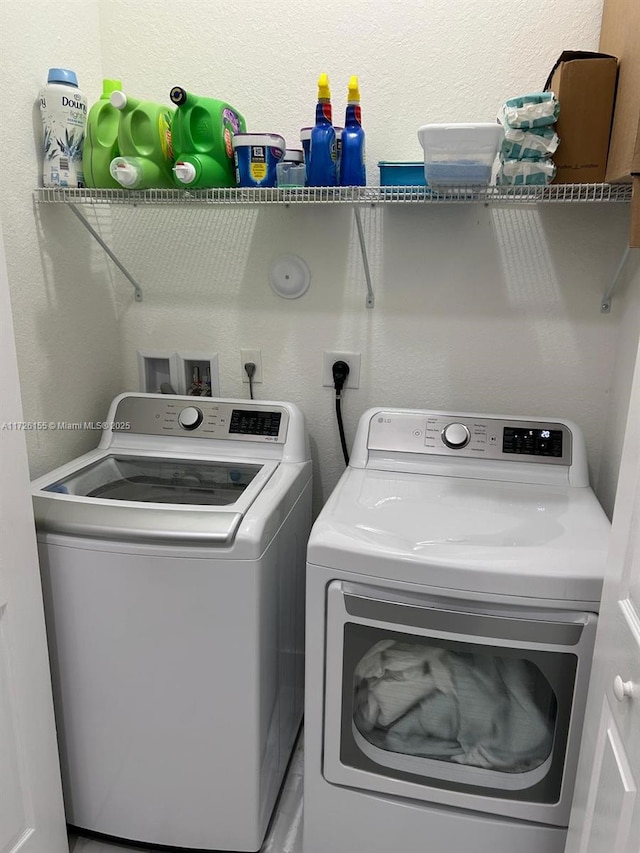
{"points": [[535, 144], [528, 111], [525, 172]]}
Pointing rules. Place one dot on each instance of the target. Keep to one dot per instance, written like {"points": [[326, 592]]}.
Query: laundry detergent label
{"points": [[230, 126], [231, 120], [164, 129], [258, 166]]}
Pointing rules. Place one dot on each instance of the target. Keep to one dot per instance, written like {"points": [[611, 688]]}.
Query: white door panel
{"points": [[31, 812], [606, 810], [612, 795], [15, 810]]}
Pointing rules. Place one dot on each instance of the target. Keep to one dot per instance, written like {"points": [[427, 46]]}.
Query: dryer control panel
{"points": [[453, 434], [201, 417]]}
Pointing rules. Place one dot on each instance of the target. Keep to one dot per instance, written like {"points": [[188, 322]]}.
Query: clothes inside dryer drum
{"points": [[160, 480], [475, 709]]}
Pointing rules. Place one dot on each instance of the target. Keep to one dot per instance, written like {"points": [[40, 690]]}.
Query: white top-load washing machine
{"points": [[172, 561], [453, 586]]}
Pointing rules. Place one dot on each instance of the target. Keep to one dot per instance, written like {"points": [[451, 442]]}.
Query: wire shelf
{"points": [[344, 195]]}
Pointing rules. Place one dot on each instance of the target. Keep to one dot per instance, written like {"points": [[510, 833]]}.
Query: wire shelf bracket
{"points": [[370, 300], [605, 302], [137, 290]]}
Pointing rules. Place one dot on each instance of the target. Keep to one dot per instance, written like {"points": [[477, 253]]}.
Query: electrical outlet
{"points": [[351, 358], [254, 355]]}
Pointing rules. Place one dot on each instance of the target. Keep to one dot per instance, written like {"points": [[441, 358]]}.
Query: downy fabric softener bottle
{"points": [[322, 148], [352, 167], [64, 116]]}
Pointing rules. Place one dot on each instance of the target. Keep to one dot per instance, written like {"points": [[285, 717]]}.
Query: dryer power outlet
{"points": [[351, 358]]}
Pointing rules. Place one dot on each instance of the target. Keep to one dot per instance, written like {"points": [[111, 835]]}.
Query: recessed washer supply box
{"points": [[460, 154]]}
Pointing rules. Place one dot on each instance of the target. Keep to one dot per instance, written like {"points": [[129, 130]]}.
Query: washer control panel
{"points": [[451, 434], [202, 418]]}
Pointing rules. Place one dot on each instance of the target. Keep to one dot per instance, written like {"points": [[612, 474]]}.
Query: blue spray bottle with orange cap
{"points": [[323, 154], [352, 165]]}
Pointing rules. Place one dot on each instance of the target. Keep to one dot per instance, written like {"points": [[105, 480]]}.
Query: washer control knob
{"points": [[190, 418], [456, 436]]}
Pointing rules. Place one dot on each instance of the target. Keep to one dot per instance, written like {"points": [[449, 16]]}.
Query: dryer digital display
{"points": [[532, 442]]}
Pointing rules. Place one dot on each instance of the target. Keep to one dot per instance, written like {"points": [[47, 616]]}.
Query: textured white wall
{"points": [[476, 309], [64, 305], [418, 61], [628, 297]]}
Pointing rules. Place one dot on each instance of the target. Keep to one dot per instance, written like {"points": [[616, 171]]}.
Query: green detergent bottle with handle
{"points": [[201, 132], [144, 142], [101, 139]]}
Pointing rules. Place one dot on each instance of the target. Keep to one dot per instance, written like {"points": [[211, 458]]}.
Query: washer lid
{"points": [[164, 480], [146, 498], [502, 538]]}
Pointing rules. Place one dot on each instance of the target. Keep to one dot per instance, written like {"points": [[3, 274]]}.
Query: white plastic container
{"points": [[293, 155], [458, 155], [63, 108]]}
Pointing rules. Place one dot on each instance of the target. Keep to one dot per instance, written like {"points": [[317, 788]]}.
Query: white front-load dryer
{"points": [[172, 562], [453, 586]]}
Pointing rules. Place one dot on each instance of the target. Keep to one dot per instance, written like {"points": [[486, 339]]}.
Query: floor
{"points": [[284, 835]]}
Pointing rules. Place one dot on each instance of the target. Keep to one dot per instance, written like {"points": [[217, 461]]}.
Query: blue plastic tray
{"points": [[400, 174]]}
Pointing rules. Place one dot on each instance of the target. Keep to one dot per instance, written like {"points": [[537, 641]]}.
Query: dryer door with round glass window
{"points": [[459, 703]]}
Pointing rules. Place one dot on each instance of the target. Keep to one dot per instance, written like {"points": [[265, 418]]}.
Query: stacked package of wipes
{"points": [[529, 139]]}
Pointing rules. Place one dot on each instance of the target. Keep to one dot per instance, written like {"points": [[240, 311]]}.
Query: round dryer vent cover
{"points": [[289, 277]]}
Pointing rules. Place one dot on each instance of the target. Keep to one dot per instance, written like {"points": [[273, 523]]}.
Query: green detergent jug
{"points": [[202, 131], [144, 142], [101, 139]]}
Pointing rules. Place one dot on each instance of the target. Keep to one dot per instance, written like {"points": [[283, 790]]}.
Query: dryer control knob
{"points": [[190, 418], [455, 436]]}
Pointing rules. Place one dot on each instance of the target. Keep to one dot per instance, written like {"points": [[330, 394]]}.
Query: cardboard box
{"points": [[620, 35], [634, 231], [585, 85]]}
